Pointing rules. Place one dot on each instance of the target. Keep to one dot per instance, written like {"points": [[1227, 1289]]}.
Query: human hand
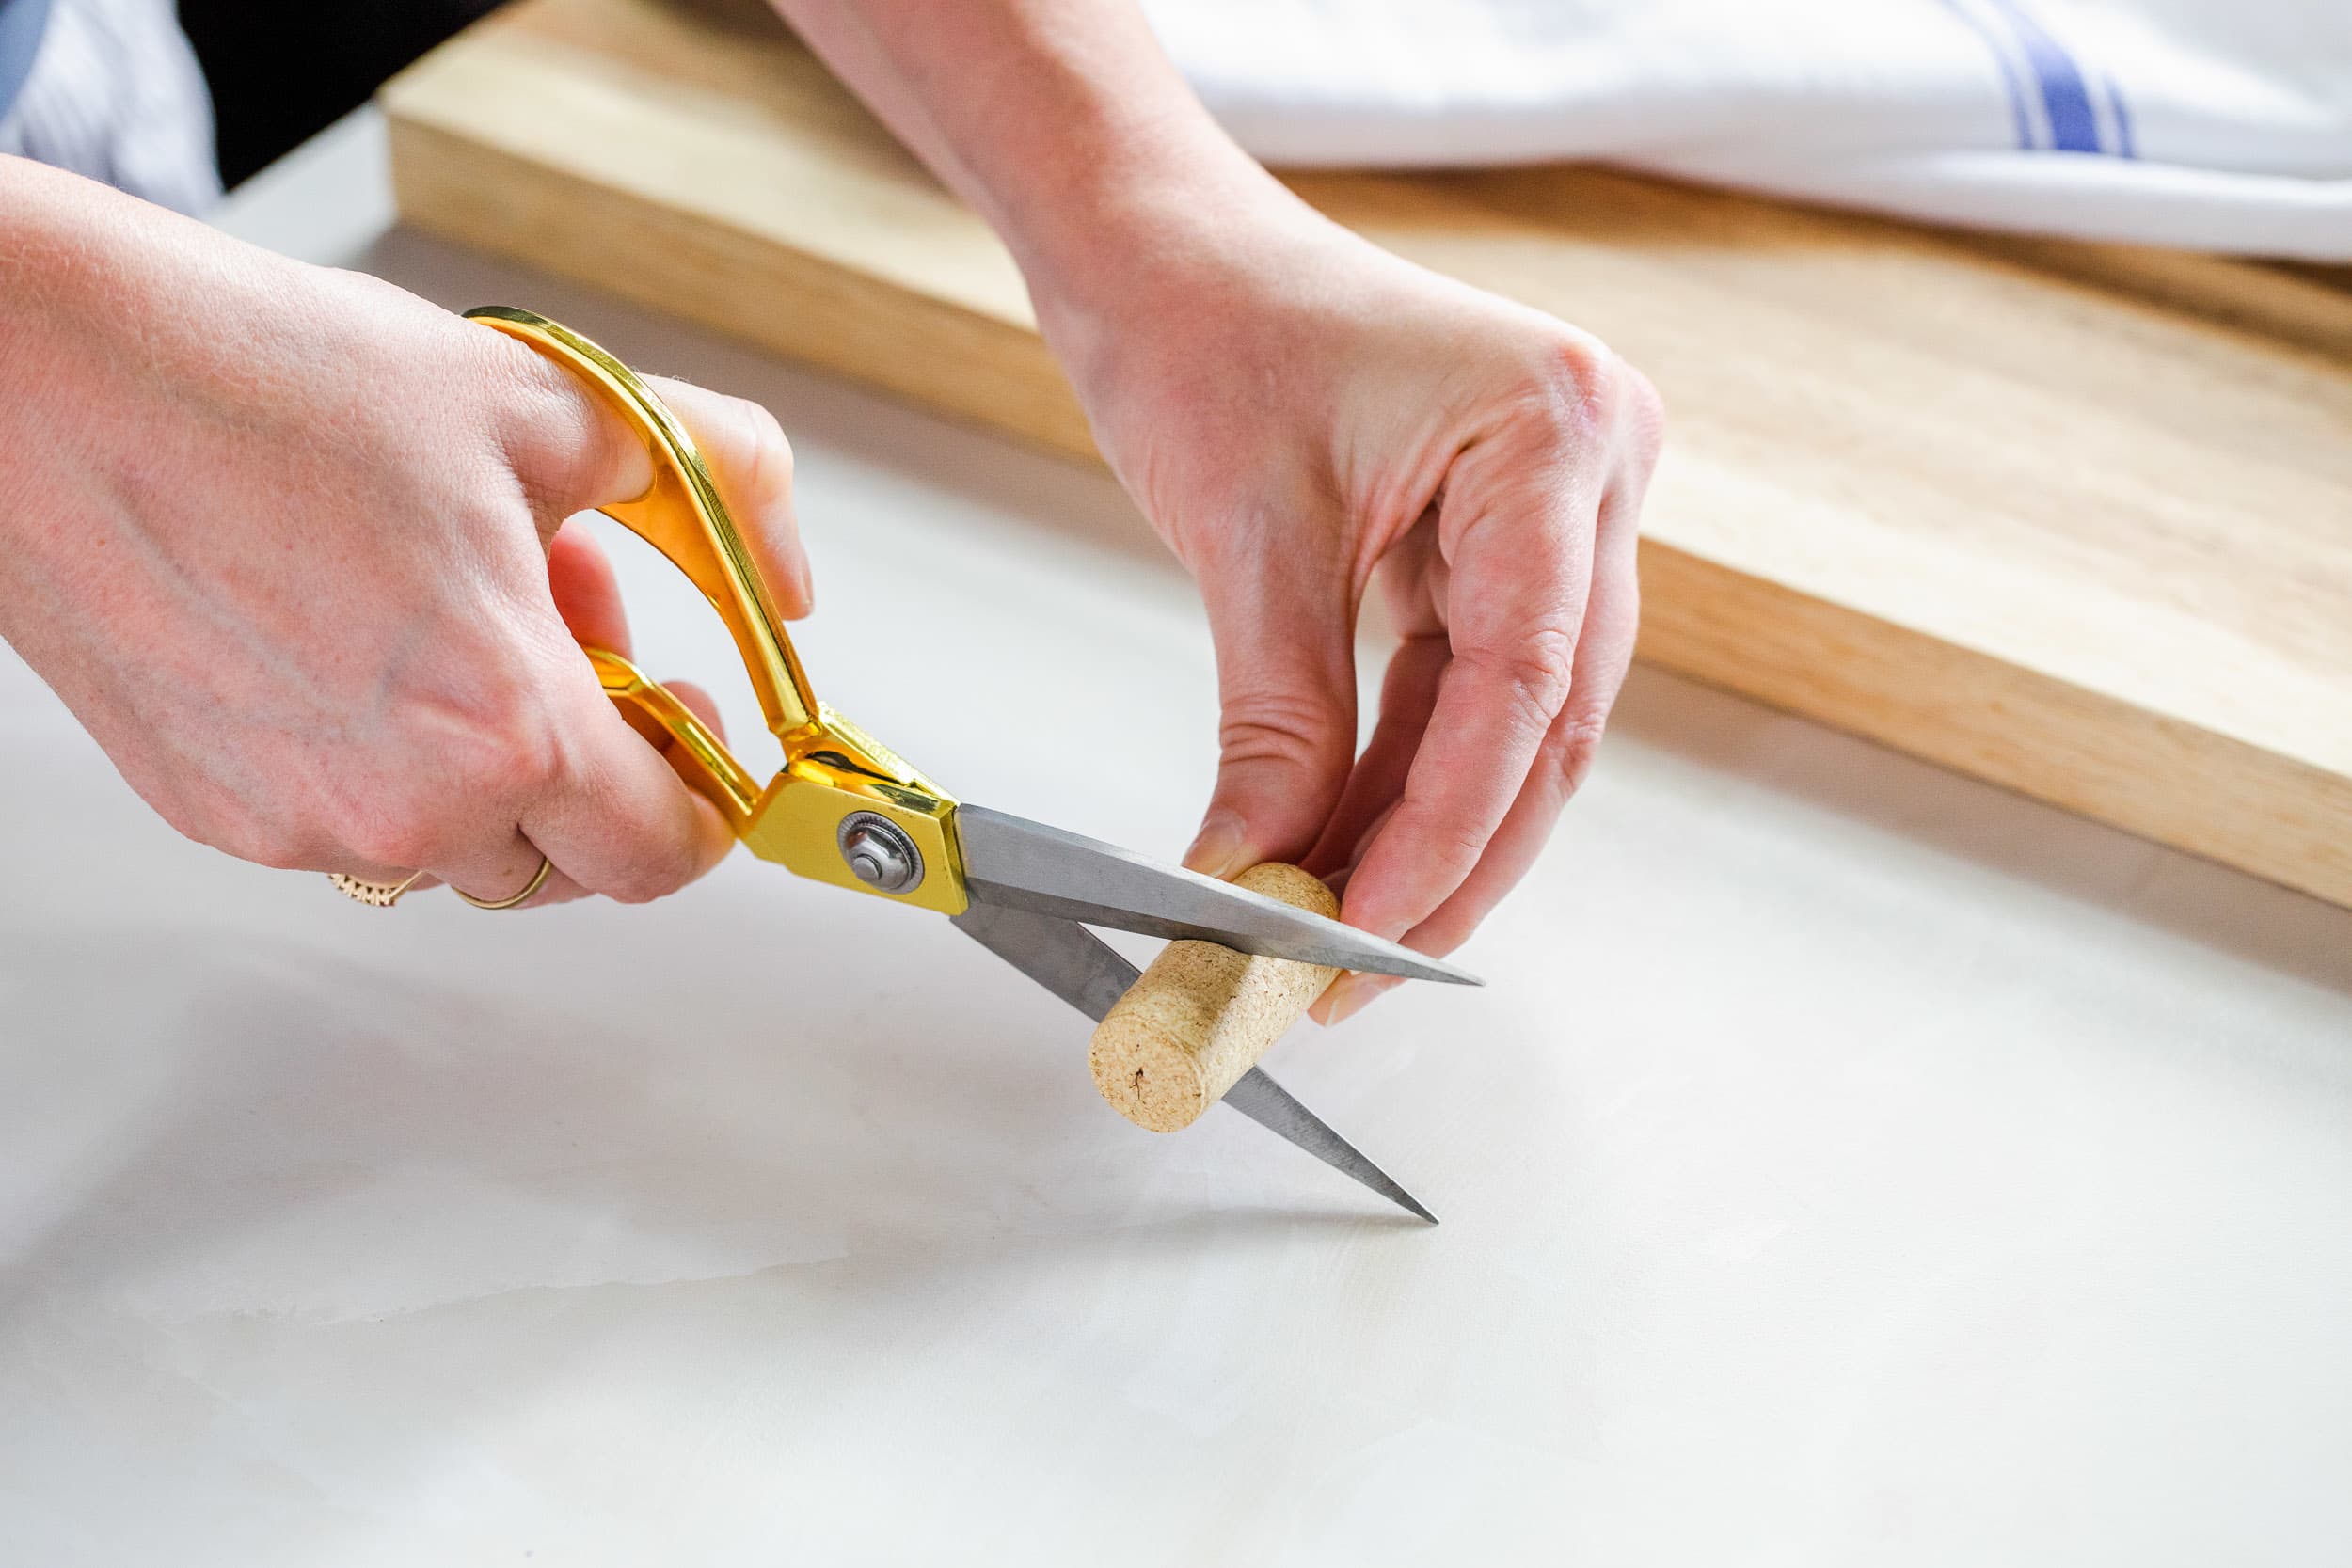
{"points": [[1302, 415], [1299, 413], [286, 541]]}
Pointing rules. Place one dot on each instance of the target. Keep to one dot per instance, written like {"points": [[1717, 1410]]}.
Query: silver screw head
{"points": [[879, 853]]}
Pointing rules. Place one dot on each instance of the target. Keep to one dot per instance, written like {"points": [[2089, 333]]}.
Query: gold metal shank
{"points": [[830, 767], [515, 900]]}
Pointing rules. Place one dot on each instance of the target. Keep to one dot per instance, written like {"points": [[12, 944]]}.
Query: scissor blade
{"points": [[1272, 1106], [1080, 968], [1017, 863], [1060, 955]]}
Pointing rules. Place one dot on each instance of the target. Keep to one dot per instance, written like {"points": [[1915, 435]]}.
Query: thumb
{"points": [[753, 463], [573, 453], [1286, 683]]}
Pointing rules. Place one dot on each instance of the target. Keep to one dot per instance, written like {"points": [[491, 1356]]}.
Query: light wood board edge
{"points": [[2218, 798], [2147, 773], [687, 265]]}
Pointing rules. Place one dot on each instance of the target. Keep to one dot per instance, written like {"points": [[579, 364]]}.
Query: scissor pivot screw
{"points": [[879, 853]]}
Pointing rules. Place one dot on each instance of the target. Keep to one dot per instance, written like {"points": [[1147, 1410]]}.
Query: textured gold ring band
{"points": [[383, 895]]}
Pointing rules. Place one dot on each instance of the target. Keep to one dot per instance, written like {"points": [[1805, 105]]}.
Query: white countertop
{"points": [[1847, 1164]]}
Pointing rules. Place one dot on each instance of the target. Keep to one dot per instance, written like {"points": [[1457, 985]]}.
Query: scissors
{"points": [[845, 810]]}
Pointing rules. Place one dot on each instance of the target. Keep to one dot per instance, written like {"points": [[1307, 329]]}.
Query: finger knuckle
{"points": [[660, 870], [1443, 839], [517, 764], [470, 752], [1567, 382], [1277, 725], [1579, 746], [405, 816], [487, 730], [1579, 359], [1533, 670], [404, 832], [498, 761], [1586, 393]]}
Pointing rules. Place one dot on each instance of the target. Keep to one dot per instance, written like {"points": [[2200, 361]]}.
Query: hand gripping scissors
{"points": [[845, 810]]}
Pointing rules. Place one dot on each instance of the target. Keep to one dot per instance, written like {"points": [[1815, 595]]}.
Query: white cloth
{"points": [[115, 94], [2219, 124]]}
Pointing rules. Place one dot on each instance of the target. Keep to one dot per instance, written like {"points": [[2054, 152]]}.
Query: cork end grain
{"points": [[1201, 1014]]}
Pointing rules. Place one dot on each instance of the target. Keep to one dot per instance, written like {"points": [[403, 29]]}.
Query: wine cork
{"points": [[1203, 1015]]}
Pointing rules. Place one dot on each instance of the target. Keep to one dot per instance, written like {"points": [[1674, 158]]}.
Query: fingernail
{"points": [[1350, 994], [1221, 850], [803, 583]]}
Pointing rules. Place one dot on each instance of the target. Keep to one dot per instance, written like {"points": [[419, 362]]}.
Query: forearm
{"points": [[58, 251], [74, 313], [1061, 121], [73, 253], [110, 309]]}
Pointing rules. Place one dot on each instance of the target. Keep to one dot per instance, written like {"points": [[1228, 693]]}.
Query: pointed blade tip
{"points": [[1426, 968], [1395, 958], [1275, 1108], [1371, 955]]}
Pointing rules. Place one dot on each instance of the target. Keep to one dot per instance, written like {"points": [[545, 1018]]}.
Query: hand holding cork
{"points": [[1201, 1014]]}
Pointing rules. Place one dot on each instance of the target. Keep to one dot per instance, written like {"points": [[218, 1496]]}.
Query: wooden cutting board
{"points": [[2076, 519]]}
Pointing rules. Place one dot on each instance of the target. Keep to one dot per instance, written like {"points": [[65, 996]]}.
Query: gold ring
{"points": [[538, 881], [382, 895]]}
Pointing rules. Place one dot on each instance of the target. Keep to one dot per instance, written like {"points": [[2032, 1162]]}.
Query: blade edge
{"points": [[1015, 863], [1276, 1109]]}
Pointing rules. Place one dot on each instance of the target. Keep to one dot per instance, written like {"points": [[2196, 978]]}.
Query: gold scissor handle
{"points": [[700, 758], [835, 777], [682, 515]]}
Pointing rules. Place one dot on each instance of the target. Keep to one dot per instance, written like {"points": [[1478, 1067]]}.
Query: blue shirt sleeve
{"points": [[22, 22]]}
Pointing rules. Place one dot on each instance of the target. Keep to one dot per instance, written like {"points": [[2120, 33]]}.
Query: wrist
{"points": [[1176, 235], [1067, 128]]}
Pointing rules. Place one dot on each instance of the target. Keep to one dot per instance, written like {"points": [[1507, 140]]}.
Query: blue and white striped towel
{"points": [[2217, 124]]}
